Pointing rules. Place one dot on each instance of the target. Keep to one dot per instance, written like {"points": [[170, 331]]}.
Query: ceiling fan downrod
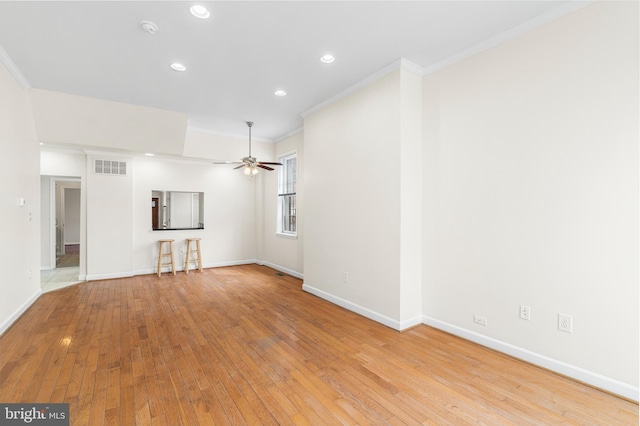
{"points": [[251, 164], [249, 124]]}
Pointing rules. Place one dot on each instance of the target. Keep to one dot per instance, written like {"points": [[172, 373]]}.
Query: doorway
{"points": [[60, 232], [68, 219], [154, 212]]}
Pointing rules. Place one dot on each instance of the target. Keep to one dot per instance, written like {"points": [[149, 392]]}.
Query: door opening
{"points": [[60, 231], [154, 212]]}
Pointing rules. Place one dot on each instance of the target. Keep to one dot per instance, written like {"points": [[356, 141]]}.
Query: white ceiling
{"points": [[244, 52]]}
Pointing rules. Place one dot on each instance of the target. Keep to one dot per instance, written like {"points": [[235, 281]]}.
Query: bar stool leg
{"points": [[199, 257], [173, 264], [160, 259], [188, 257]]}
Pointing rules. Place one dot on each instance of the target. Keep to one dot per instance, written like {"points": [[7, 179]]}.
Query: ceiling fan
{"points": [[250, 164]]}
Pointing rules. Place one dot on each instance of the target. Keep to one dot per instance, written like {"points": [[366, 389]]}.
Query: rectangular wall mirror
{"points": [[177, 210]]}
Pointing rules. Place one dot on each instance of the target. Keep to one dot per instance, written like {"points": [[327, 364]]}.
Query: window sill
{"points": [[288, 236]]}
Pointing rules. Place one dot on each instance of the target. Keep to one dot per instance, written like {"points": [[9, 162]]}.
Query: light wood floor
{"points": [[243, 345]]}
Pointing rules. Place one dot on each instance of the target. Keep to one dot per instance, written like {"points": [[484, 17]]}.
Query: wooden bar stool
{"points": [[197, 260], [162, 254]]}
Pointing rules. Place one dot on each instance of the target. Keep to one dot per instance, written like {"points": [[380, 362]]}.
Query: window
{"points": [[287, 184]]}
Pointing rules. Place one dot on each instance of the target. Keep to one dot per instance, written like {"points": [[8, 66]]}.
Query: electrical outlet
{"points": [[565, 323], [480, 320], [525, 312], [345, 278]]}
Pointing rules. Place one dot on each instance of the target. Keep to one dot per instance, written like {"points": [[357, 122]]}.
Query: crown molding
{"points": [[289, 134], [13, 69], [62, 149], [118, 155], [411, 67], [388, 69], [504, 36]]}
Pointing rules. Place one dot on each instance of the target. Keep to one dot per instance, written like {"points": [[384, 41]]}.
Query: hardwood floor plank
{"points": [[396, 407], [219, 400], [358, 398], [152, 393], [142, 413], [181, 398], [243, 345], [278, 404], [97, 405]]}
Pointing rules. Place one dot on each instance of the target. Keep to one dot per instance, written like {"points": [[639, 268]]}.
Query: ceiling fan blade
{"points": [[263, 167], [227, 162], [273, 164], [240, 166]]}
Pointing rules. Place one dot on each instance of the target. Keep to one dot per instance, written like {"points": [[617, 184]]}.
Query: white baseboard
{"points": [[155, 270], [281, 269], [382, 319], [21, 310], [594, 379], [412, 322], [113, 275], [230, 263], [180, 268]]}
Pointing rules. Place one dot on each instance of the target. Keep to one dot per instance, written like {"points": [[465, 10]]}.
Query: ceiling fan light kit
{"points": [[250, 164], [250, 171]]}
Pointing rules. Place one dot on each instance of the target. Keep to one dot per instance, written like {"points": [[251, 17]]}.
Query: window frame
{"points": [[282, 183]]}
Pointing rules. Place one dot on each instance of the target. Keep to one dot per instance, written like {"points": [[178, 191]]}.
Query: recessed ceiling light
{"points": [[280, 93], [199, 11], [148, 154], [178, 67], [327, 59]]}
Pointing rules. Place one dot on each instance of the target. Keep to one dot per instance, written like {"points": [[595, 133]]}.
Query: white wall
{"points": [[283, 252], [410, 199], [46, 258], [534, 197], [229, 230], [90, 122], [352, 200], [363, 198], [109, 220], [20, 177]]}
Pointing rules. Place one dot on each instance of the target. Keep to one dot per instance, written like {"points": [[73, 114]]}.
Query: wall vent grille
{"points": [[109, 167]]}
